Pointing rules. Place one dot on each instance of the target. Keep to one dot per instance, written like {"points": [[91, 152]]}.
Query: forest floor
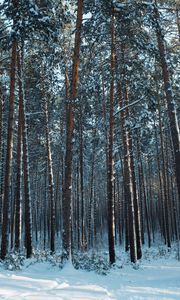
{"points": [[154, 278]]}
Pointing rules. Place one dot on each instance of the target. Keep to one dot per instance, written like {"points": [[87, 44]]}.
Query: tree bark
{"points": [[66, 239], [91, 194], [50, 181], [110, 167], [128, 189], [1, 152], [27, 196], [178, 19], [9, 155], [171, 108], [17, 223]]}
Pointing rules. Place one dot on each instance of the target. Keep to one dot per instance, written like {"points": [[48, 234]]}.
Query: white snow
{"points": [[159, 279]]}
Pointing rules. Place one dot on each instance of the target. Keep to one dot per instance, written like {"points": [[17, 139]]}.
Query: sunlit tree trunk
{"points": [[67, 193], [171, 107], [128, 188], [50, 181]]}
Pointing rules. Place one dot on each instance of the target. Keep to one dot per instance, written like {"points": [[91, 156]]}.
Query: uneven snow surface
{"points": [[40, 281]]}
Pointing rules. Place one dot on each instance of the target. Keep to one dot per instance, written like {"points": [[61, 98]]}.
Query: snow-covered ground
{"points": [[158, 279]]}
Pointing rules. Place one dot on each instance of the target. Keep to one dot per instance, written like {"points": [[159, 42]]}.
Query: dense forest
{"points": [[89, 126]]}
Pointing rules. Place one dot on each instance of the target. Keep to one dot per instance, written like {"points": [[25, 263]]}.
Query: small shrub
{"points": [[14, 261], [91, 262]]}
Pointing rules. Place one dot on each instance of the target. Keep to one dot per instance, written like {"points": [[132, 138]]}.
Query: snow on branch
{"points": [[126, 106]]}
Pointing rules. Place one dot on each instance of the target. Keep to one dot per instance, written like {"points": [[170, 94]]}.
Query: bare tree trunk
{"points": [[1, 122], [171, 108], [1, 152], [141, 192], [51, 181], [90, 231], [17, 222], [178, 18], [110, 171], [142, 181], [67, 193], [27, 200], [77, 215], [147, 212], [128, 189], [166, 200], [161, 195], [82, 182], [9, 154], [136, 201]]}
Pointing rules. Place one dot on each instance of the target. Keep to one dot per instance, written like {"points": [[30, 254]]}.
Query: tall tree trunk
{"points": [[142, 181], [77, 210], [135, 200], [50, 181], [141, 192], [165, 200], [1, 122], [128, 189], [91, 194], [130, 184], [82, 181], [161, 195], [17, 220], [27, 197], [110, 171], [178, 18], [9, 154], [171, 108], [66, 239], [1, 152]]}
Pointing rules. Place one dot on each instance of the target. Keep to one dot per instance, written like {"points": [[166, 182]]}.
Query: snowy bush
{"points": [[91, 262], [46, 256], [160, 251], [13, 261]]}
